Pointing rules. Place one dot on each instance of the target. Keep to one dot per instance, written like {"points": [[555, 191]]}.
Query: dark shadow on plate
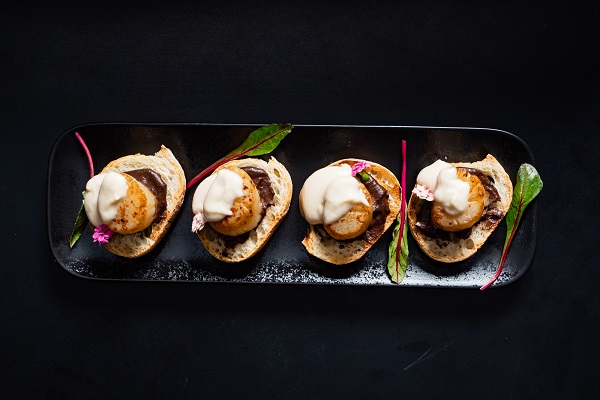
{"points": [[232, 271], [118, 268], [333, 271], [444, 269]]}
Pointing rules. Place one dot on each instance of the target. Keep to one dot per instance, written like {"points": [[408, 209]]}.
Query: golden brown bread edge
{"points": [[281, 182], [318, 242], [164, 163], [449, 251]]}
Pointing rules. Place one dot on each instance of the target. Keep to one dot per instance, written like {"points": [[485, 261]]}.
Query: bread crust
{"points": [[450, 251], [321, 245], [164, 163], [281, 183]]}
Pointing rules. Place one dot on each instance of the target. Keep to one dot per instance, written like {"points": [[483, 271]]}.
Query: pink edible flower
{"points": [[423, 192], [359, 167], [198, 222], [102, 234]]}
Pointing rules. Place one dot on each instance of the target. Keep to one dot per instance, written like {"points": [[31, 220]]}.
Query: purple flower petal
{"points": [[101, 234], [359, 167], [198, 222]]}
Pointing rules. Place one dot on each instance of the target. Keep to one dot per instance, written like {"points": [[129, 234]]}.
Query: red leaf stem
{"points": [[501, 265], [87, 153], [508, 242]]}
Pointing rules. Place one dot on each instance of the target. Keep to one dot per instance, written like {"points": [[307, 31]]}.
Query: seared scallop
{"points": [[246, 210], [135, 211], [470, 215], [355, 222]]}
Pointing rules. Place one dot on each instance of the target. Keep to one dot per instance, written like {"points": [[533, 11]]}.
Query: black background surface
{"points": [[529, 69]]}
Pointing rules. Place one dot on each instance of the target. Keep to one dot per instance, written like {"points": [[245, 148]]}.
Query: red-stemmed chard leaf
{"points": [[529, 184], [261, 141], [398, 250], [82, 220]]}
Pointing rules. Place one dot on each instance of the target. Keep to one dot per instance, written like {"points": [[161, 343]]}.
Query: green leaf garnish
{"points": [[529, 184], [261, 141], [80, 223], [364, 176], [398, 260], [398, 257]]}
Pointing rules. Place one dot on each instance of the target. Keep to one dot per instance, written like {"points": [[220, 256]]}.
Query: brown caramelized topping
{"points": [[381, 209]]}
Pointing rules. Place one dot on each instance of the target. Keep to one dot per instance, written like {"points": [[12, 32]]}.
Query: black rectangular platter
{"points": [[181, 257]]}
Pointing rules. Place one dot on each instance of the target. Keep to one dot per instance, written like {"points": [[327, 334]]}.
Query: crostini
{"points": [[349, 205], [239, 207], [133, 201], [455, 207]]}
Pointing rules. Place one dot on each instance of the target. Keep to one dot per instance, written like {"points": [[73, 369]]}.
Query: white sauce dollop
{"points": [[429, 175], [215, 195], [329, 193], [103, 193], [449, 191]]}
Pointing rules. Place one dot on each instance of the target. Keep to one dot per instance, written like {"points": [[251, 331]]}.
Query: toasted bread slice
{"points": [[281, 183], [164, 163], [449, 251], [321, 245]]}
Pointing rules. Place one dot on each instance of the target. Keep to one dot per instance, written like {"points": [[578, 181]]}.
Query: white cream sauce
{"points": [[429, 175], [215, 195], [103, 193], [329, 193], [449, 191]]}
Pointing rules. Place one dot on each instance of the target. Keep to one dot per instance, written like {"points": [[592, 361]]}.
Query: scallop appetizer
{"points": [[133, 201], [455, 207], [349, 205], [239, 206]]}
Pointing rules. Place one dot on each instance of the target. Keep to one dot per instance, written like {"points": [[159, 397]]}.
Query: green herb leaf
{"points": [[529, 185], [364, 176], [80, 223], [260, 141], [263, 140], [398, 260]]}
